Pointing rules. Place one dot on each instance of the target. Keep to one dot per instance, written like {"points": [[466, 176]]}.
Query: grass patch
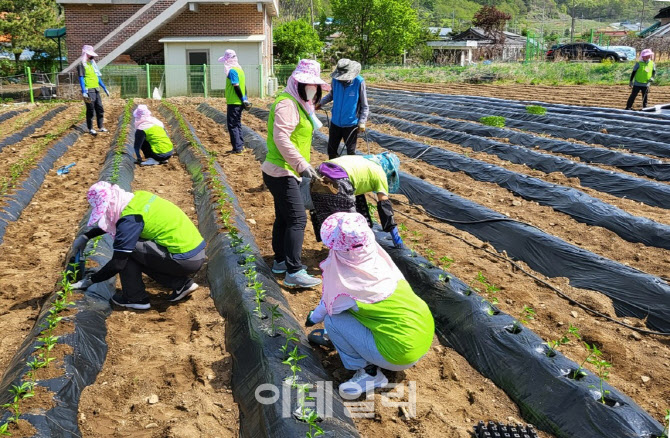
{"points": [[497, 121]]}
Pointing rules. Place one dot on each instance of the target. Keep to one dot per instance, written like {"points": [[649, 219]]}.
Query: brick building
{"points": [[182, 35]]}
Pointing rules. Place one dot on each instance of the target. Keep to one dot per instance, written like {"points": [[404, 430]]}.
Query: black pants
{"points": [[234, 123], [94, 106], [337, 134], [149, 153], [288, 231], [634, 93], [155, 261]]}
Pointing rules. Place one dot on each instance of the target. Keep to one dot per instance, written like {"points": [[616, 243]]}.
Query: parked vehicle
{"points": [[583, 51]]}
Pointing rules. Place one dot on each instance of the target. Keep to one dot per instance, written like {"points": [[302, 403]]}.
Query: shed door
{"points": [[196, 72]]}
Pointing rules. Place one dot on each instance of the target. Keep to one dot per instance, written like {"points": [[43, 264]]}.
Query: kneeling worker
{"points": [[151, 138], [151, 235]]}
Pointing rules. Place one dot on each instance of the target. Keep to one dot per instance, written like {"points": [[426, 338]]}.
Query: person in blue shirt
{"points": [[90, 81], [236, 99], [350, 107]]}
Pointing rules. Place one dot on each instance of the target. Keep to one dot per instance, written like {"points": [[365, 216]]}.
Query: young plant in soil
{"points": [[314, 429], [554, 345], [497, 121], [292, 361], [592, 353], [490, 290], [526, 314], [444, 264], [4, 430], [275, 314], [25, 390], [290, 336], [536, 109], [49, 342], [602, 367]]}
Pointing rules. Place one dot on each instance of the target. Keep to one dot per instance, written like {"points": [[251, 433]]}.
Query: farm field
{"points": [[530, 213]]}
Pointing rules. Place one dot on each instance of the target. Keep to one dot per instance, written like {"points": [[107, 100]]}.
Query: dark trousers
{"points": [[94, 106], [148, 153], [234, 123], [337, 134], [155, 261], [288, 230], [634, 93]]}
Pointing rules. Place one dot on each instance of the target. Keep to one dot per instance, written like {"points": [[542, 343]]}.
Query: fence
{"points": [[149, 80], [27, 87]]}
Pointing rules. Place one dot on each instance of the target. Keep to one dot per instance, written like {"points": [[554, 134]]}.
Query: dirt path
{"points": [[609, 96], [34, 247], [175, 352]]}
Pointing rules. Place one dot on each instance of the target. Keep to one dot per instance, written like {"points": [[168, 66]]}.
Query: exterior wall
{"points": [[176, 77], [85, 24]]}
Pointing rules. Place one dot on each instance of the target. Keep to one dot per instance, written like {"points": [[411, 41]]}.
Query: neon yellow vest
{"points": [[401, 325], [164, 223], [158, 139], [231, 96], [301, 137], [644, 72], [90, 78]]}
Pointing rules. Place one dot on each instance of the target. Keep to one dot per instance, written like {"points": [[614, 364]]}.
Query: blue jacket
{"points": [[345, 102]]}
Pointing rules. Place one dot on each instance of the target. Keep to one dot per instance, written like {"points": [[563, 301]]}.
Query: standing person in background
{"points": [[90, 81], [236, 99], [641, 77], [151, 138], [371, 314], [350, 107], [290, 127]]}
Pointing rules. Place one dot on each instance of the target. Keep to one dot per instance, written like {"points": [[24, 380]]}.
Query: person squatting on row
{"points": [[151, 138], [369, 310], [350, 107], [151, 235], [90, 80], [290, 126]]}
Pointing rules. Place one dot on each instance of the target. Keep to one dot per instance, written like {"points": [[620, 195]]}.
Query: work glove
{"points": [[80, 243], [247, 105], [310, 172], [309, 322], [361, 127], [651, 80], [395, 236], [86, 97], [84, 283]]}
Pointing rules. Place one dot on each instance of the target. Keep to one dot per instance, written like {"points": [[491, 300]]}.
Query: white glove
{"points": [[361, 127], [84, 283], [310, 172]]}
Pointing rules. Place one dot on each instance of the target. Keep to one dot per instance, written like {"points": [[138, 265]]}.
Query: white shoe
{"points": [[92, 132], [363, 382], [149, 162]]}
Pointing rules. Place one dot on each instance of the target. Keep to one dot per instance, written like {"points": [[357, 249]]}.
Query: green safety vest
{"points": [[231, 97], [401, 325], [164, 223], [301, 137], [644, 71], [158, 139], [90, 78]]}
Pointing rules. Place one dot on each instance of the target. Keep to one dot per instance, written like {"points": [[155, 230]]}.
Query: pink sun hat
{"points": [[308, 72], [344, 231], [646, 52], [88, 50]]}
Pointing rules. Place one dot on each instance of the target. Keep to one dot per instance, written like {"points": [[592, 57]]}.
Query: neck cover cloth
{"points": [[143, 118], [108, 201], [229, 60]]}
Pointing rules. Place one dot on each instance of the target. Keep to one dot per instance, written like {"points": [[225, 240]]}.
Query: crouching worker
{"points": [[370, 312], [151, 138], [151, 235], [344, 183]]}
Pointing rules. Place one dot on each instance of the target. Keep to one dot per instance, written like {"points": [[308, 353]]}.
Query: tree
{"points": [[493, 22], [25, 21], [376, 28], [296, 40]]}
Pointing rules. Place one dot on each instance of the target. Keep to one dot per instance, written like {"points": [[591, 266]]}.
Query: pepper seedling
{"points": [[314, 429], [527, 313], [553, 345], [275, 314], [292, 361], [593, 353], [4, 430], [290, 336], [602, 367]]}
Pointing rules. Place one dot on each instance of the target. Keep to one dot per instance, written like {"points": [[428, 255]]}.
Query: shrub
{"points": [[496, 121], [536, 109]]}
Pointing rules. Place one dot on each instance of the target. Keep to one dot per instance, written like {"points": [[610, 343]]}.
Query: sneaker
{"points": [[185, 291], [280, 267], [122, 301], [163, 162], [92, 132], [237, 151], [301, 279], [149, 162], [102, 130], [364, 381]]}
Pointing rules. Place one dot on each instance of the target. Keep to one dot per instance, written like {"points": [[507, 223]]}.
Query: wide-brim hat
{"points": [[646, 52], [88, 50], [344, 231], [346, 70], [308, 72], [391, 165]]}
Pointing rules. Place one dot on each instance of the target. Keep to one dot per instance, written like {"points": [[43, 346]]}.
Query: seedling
{"points": [[536, 109], [292, 361], [275, 314], [593, 353], [314, 429], [303, 395], [554, 345], [602, 367], [290, 336], [666, 433], [526, 314], [497, 121], [4, 430], [430, 254], [48, 344], [25, 390], [445, 262], [489, 288]]}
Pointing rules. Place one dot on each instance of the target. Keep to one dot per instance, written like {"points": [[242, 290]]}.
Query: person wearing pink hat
{"points": [[151, 138], [236, 99], [641, 77], [371, 315], [90, 80], [290, 127], [151, 235]]}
